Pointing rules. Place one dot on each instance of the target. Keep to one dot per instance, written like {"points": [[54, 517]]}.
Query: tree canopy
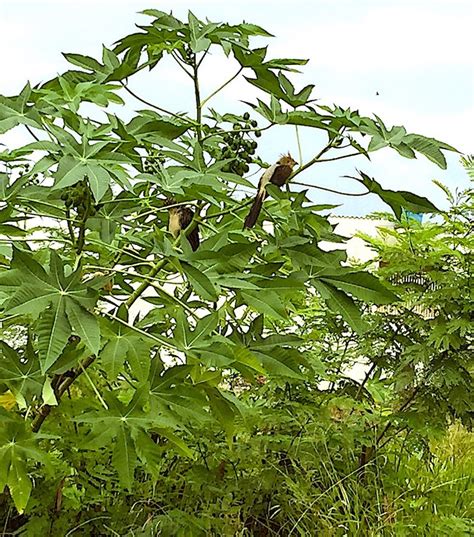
{"points": [[84, 239]]}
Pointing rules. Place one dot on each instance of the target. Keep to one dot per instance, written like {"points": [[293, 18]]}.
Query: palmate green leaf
{"points": [[246, 360], [311, 119], [86, 62], [48, 395], [340, 303], [173, 394], [215, 353], [247, 57], [31, 300], [138, 358], [70, 171], [267, 302], [151, 123], [405, 144], [22, 375], [429, 147], [277, 340], [224, 410], [14, 111], [112, 357], [84, 324], [127, 67], [149, 453], [200, 282], [19, 484], [122, 423], [124, 344], [99, 179], [11, 231], [124, 457], [279, 86], [30, 269], [362, 285], [297, 99], [180, 447], [18, 445], [57, 295], [204, 327], [279, 361], [397, 199], [285, 64], [198, 32], [53, 331]]}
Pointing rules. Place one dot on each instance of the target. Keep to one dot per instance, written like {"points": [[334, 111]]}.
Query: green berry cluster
{"points": [[152, 162], [239, 146], [24, 169], [188, 55], [79, 197]]}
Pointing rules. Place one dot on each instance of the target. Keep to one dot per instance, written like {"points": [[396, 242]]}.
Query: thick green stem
{"points": [[197, 97], [70, 228], [145, 283]]}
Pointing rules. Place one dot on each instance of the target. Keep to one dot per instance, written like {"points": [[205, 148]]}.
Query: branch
{"points": [[154, 337], [32, 133], [340, 157], [318, 158], [330, 189], [197, 97], [45, 410], [312, 161], [203, 56], [221, 87], [70, 228], [145, 283], [180, 63], [227, 211], [148, 103], [298, 141]]}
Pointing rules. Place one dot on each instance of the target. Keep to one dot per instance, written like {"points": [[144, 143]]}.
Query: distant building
{"points": [[349, 226]]}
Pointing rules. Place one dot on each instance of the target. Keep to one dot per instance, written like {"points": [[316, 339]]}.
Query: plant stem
{"points": [[197, 97], [70, 228], [145, 283], [45, 410], [330, 189], [318, 158], [32, 133], [203, 56], [180, 63], [227, 211], [221, 87], [133, 94], [82, 228], [340, 157], [312, 161], [298, 141]]}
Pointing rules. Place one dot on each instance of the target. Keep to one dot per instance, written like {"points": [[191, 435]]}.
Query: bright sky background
{"points": [[417, 54]]}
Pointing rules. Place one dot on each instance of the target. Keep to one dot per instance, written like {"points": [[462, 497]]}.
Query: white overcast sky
{"points": [[416, 54]]}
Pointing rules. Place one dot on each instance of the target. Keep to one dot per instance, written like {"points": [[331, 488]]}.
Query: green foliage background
{"points": [[225, 406]]}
